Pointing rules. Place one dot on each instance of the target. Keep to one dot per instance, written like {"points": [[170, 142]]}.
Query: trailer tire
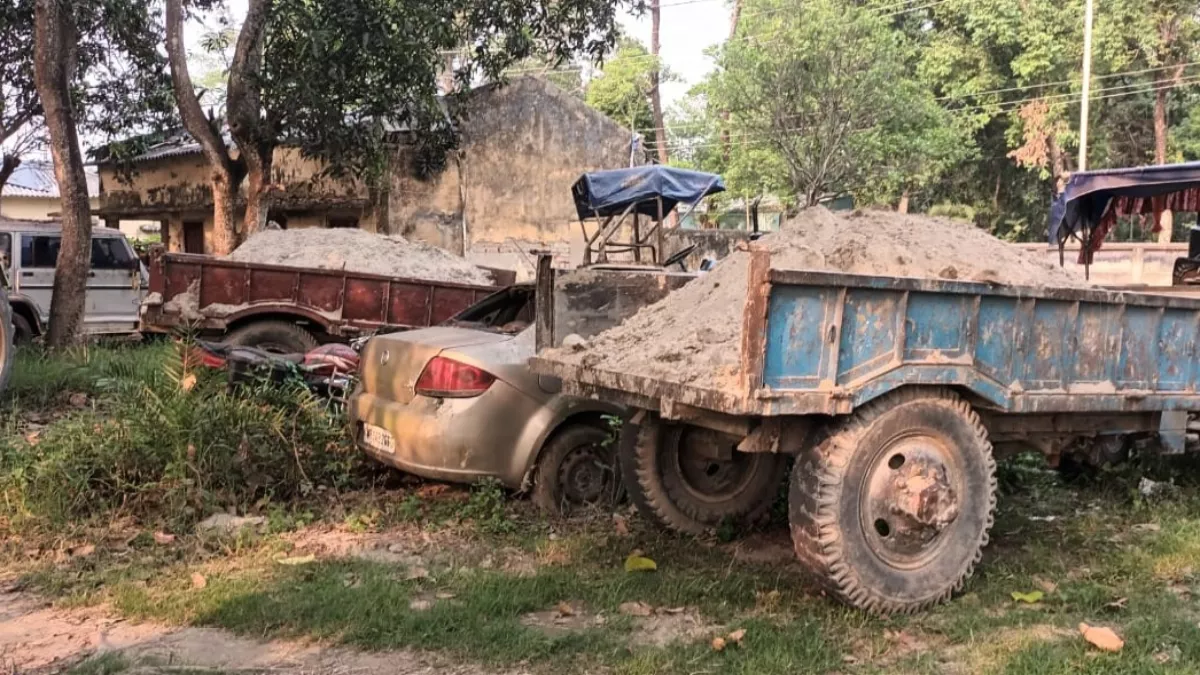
{"points": [[863, 531], [7, 339], [668, 494], [575, 470], [275, 336]]}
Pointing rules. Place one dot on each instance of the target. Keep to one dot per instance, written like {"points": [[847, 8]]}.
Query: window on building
{"points": [[5, 249], [343, 221]]}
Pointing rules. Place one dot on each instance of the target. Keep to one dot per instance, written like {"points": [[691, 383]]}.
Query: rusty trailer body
{"points": [[331, 304], [895, 395], [827, 343]]}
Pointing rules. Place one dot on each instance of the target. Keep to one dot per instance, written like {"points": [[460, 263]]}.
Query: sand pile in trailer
{"points": [[693, 336], [359, 251]]}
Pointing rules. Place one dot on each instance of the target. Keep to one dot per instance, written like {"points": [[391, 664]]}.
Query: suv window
{"points": [[39, 250], [108, 253]]}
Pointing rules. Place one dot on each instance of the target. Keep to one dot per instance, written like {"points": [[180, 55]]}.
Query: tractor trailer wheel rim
{"points": [[710, 479], [910, 499]]}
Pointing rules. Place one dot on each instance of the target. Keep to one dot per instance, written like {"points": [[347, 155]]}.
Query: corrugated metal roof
{"points": [[173, 148], [35, 178]]}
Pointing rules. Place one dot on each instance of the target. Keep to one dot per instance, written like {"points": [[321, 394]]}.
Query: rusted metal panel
{"points": [[544, 306], [320, 292], [270, 286], [365, 299], [754, 320], [341, 302], [447, 302], [409, 305], [588, 301]]}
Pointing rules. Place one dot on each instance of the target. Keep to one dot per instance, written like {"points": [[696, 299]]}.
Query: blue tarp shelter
{"points": [[601, 194], [1078, 210]]}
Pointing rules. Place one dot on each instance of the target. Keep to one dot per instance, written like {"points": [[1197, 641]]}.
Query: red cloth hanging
{"points": [[1158, 203]]}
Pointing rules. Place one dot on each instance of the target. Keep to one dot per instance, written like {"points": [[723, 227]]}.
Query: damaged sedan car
{"points": [[458, 402]]}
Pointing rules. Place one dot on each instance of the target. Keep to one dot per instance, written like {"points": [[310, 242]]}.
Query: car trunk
{"points": [[392, 363]]}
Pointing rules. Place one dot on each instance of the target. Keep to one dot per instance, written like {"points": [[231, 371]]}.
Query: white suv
{"points": [[115, 288]]}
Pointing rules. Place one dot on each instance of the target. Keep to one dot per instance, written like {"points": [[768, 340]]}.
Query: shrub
{"points": [[162, 447]]}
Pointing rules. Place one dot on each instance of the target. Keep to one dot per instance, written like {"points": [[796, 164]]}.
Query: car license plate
{"points": [[379, 438]]}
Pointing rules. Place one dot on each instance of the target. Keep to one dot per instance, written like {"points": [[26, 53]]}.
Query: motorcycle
{"points": [[329, 371]]}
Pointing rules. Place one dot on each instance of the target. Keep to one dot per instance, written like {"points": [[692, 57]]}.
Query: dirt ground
{"points": [[38, 638]]}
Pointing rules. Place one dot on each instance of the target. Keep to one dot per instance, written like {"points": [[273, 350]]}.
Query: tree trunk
{"points": [[1160, 126], [1058, 164], [734, 18], [55, 40], [8, 164], [660, 131], [1160, 155], [258, 180], [224, 175], [244, 110], [225, 194]]}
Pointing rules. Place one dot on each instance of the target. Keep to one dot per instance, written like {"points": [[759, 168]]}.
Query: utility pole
{"points": [[660, 131], [1087, 86]]}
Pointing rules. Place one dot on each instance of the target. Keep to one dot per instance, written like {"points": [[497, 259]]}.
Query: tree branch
{"points": [[190, 111]]}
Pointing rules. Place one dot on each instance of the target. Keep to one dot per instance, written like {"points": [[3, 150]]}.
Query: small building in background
{"points": [[505, 191], [31, 194]]}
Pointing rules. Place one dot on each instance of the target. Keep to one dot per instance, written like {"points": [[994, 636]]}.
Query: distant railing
{"points": [[1122, 263]]}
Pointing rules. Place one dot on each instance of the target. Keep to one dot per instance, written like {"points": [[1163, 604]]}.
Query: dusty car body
{"points": [[457, 402]]}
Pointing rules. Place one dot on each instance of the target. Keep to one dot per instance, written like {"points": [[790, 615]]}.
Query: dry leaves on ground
{"points": [[1028, 598], [1101, 637], [636, 609], [564, 609], [636, 562]]}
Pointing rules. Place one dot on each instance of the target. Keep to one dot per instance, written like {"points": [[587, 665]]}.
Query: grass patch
{"points": [[148, 450], [158, 441], [1098, 568]]}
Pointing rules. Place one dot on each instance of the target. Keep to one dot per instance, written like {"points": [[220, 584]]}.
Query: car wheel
{"points": [[22, 331], [576, 471], [277, 337]]}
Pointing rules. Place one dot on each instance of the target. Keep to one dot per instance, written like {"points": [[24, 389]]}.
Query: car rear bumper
{"points": [[452, 439]]}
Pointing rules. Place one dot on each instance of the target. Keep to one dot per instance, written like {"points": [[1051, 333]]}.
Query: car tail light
{"points": [[447, 378]]}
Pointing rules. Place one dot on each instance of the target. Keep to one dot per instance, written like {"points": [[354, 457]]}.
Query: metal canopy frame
{"points": [[603, 241]]}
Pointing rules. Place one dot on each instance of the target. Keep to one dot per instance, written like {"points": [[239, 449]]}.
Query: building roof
{"points": [[35, 178]]}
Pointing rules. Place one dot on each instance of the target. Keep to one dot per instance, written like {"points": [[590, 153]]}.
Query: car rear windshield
{"points": [[508, 311]]}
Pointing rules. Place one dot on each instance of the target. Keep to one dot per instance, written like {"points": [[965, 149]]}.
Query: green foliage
{"points": [[120, 84], [827, 103], [955, 211], [622, 90], [485, 508], [148, 447], [339, 77]]}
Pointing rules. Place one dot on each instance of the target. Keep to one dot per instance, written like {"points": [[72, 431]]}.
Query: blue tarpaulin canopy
{"points": [[1080, 206], [610, 193]]}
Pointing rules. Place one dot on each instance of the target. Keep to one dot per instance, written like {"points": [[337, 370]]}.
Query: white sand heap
{"points": [[693, 335], [357, 250]]}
